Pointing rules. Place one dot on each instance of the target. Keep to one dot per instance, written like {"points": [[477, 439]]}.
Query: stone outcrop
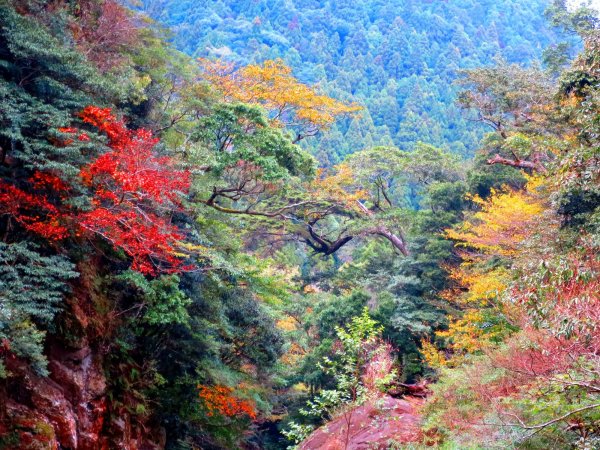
{"points": [[376, 425], [69, 409], [64, 410]]}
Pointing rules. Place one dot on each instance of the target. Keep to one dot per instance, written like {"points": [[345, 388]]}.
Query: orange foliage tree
{"points": [[272, 85], [219, 400]]}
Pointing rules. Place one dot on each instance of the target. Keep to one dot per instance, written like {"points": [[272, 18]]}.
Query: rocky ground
{"points": [[376, 425]]}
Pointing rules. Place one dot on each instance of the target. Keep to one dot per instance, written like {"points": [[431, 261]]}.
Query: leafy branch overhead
{"points": [[258, 170]]}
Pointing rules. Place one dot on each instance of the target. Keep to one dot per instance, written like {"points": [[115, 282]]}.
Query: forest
{"points": [[309, 225], [396, 58]]}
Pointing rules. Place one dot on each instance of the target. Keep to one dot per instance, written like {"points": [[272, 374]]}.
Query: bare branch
{"points": [[533, 165], [396, 240], [541, 426]]}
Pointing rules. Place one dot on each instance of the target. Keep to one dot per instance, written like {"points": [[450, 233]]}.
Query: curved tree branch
{"points": [[541, 426], [523, 164], [396, 240], [307, 231]]}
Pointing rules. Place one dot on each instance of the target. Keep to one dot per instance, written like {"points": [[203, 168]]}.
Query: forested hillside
{"points": [[180, 269], [397, 58]]}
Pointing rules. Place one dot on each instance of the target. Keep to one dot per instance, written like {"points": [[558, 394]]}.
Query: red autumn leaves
{"points": [[32, 209], [219, 400], [133, 191]]}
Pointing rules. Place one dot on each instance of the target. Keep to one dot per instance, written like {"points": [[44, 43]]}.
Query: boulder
{"points": [[374, 425]]}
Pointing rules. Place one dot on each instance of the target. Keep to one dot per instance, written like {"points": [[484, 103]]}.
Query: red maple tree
{"points": [[135, 193], [31, 206]]}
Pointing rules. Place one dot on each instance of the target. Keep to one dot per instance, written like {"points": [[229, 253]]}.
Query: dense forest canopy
{"points": [[305, 225], [397, 58]]}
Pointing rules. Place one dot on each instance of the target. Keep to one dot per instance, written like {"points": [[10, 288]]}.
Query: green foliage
{"points": [[582, 19], [330, 315], [397, 58], [427, 190], [297, 432], [398, 178], [484, 177], [163, 302], [258, 310], [225, 133], [31, 289], [358, 345], [43, 84]]}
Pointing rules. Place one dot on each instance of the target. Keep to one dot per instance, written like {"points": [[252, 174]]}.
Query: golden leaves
{"points": [[338, 186], [477, 286], [466, 333], [432, 356], [273, 86], [503, 221]]}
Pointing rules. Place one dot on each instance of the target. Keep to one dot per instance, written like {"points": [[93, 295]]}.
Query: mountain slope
{"points": [[398, 58]]}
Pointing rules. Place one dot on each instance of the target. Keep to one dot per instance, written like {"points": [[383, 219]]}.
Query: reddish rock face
{"points": [[28, 429], [374, 425], [47, 397], [79, 374], [67, 410], [68, 407]]}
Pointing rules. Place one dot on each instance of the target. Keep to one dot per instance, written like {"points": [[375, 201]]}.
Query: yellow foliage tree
{"points": [[475, 287], [466, 334], [337, 186], [272, 85], [432, 356], [478, 290], [503, 221]]}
